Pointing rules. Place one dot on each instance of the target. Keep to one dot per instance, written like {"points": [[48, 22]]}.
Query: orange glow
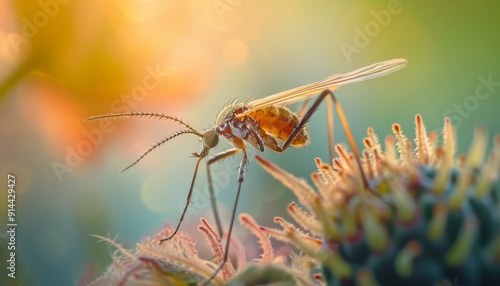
{"points": [[53, 114], [235, 52]]}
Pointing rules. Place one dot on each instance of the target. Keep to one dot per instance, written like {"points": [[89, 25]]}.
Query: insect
{"points": [[265, 123]]}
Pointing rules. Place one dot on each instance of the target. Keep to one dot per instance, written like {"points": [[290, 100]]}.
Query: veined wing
{"points": [[333, 82]]}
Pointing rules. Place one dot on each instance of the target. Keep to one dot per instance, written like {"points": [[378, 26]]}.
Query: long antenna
{"points": [[178, 133], [189, 130], [145, 114]]}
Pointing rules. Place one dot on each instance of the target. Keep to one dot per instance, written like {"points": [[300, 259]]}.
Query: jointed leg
{"points": [[306, 117], [343, 120], [241, 173], [329, 114], [188, 200], [303, 109], [216, 158]]}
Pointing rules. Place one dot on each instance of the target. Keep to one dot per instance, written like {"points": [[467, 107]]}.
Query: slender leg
{"points": [[304, 119], [350, 138], [354, 148], [343, 120], [241, 173], [217, 157], [329, 114], [304, 108], [188, 200]]}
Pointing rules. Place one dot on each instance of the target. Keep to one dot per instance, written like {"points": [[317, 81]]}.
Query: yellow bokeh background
{"points": [[64, 60]]}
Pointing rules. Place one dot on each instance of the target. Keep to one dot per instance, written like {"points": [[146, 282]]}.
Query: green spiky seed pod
{"points": [[425, 218]]}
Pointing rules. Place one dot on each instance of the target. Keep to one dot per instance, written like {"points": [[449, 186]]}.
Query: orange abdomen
{"points": [[279, 122]]}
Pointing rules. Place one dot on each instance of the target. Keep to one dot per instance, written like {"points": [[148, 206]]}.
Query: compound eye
{"points": [[210, 139]]}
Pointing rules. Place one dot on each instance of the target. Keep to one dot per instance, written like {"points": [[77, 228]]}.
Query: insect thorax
{"points": [[232, 127], [229, 112]]}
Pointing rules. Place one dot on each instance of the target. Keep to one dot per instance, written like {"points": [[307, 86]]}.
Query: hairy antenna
{"points": [[159, 144], [148, 115]]}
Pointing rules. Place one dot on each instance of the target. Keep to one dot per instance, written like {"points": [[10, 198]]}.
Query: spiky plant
{"points": [[422, 216], [405, 216], [178, 263]]}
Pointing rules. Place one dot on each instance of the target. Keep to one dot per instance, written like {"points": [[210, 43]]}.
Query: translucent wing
{"points": [[333, 82]]}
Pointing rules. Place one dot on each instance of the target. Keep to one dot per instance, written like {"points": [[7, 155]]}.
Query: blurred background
{"points": [[64, 60]]}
